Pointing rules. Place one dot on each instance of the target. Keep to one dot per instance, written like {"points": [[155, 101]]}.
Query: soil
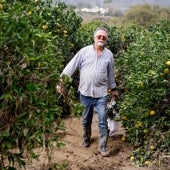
{"points": [[76, 157]]}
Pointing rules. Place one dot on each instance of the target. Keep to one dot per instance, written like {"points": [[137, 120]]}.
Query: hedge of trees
{"points": [[37, 40]]}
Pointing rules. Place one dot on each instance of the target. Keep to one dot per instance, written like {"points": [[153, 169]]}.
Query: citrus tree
{"points": [[36, 37], [144, 70]]}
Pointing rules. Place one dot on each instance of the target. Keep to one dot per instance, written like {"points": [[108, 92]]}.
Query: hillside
{"points": [[120, 4]]}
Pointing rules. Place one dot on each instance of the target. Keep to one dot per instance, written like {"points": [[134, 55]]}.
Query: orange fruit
{"points": [[145, 130], [139, 123], [166, 71], [124, 117], [152, 112], [140, 84], [168, 63], [123, 138], [29, 13], [152, 147], [1, 7], [45, 27], [132, 158], [147, 162]]}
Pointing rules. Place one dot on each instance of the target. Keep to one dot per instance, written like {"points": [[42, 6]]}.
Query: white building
{"points": [[93, 10]]}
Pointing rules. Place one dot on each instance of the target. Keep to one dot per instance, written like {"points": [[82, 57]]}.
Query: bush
{"points": [[145, 103], [35, 39]]}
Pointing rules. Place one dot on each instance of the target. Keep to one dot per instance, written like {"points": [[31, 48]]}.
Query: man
{"points": [[95, 63]]}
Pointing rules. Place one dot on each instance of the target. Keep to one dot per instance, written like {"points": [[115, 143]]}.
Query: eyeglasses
{"points": [[101, 37]]}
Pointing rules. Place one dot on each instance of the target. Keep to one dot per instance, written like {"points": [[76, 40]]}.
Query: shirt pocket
{"points": [[103, 68]]}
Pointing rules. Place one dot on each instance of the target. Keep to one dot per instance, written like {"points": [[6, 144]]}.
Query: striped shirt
{"points": [[96, 72]]}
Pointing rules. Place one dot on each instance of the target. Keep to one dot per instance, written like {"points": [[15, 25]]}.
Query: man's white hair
{"points": [[101, 28]]}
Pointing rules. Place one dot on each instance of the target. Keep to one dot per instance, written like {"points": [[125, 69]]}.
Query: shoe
{"points": [[103, 136], [86, 143], [86, 136]]}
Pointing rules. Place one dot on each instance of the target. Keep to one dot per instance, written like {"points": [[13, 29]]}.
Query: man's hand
{"points": [[59, 89], [114, 94]]}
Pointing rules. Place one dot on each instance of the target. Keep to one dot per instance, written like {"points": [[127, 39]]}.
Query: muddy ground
{"points": [[77, 157]]}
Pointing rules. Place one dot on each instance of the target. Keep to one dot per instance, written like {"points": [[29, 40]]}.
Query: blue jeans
{"points": [[101, 108]]}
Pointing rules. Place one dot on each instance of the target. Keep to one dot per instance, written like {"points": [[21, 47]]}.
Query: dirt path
{"points": [[80, 158]]}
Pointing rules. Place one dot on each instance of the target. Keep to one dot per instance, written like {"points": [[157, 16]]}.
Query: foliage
{"points": [[121, 36], [107, 1], [38, 39], [145, 104], [68, 98], [146, 14], [35, 39]]}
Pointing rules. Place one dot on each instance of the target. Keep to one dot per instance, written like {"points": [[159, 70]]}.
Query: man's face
{"points": [[100, 38]]}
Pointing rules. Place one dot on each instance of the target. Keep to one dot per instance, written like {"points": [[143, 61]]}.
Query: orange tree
{"points": [[35, 38], [144, 76]]}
